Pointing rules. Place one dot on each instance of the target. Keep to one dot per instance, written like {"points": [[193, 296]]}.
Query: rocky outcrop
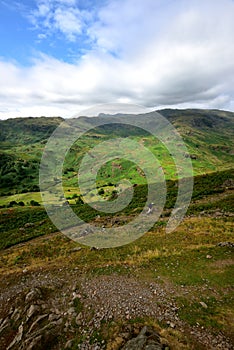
{"points": [[226, 244], [56, 312], [31, 318], [148, 339]]}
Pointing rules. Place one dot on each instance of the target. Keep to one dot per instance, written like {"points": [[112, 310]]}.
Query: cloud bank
{"points": [[154, 53]]}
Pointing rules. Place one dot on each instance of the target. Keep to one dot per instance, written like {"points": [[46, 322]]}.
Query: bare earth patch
{"points": [[220, 264]]}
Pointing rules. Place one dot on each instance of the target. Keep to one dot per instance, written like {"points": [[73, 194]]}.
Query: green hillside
{"points": [[181, 284], [60, 294], [22, 142], [208, 135]]}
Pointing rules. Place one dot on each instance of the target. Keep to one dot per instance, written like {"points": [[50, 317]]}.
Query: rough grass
{"points": [[209, 196], [187, 259]]}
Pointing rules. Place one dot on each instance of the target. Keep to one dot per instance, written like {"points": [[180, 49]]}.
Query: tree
{"points": [[12, 203], [101, 192], [34, 203]]}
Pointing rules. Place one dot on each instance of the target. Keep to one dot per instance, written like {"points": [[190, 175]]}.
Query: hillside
{"points": [[57, 294], [208, 135], [21, 142], [164, 291]]}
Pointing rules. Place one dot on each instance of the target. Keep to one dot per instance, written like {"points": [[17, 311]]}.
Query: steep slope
{"points": [[58, 294], [26, 131], [208, 135], [21, 142]]}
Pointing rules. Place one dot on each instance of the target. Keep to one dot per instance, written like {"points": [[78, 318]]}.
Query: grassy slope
{"points": [[207, 134], [12, 220], [22, 141], [187, 261]]}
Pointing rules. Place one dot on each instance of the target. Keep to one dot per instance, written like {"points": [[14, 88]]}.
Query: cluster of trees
{"points": [[18, 174], [21, 204]]}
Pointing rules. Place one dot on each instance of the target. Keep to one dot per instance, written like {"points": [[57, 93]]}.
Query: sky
{"points": [[59, 57]]}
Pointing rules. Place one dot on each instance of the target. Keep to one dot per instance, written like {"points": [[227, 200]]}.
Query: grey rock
{"points": [[29, 224], [32, 311], [17, 338], [33, 295], [16, 315], [76, 249], [71, 310], [59, 322], [226, 244], [37, 321], [41, 337], [148, 339], [68, 344], [208, 256], [53, 317], [79, 319], [4, 324], [203, 305], [35, 343], [125, 335], [57, 311]]}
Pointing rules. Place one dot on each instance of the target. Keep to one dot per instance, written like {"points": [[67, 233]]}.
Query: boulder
{"points": [[147, 339]]}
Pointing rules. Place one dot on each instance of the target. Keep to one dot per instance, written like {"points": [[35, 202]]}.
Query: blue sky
{"points": [[58, 57], [30, 25]]}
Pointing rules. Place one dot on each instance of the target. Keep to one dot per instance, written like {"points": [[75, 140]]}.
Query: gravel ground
{"points": [[103, 298]]}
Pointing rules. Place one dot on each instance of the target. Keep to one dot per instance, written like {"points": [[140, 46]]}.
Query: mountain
{"points": [[208, 135], [166, 290]]}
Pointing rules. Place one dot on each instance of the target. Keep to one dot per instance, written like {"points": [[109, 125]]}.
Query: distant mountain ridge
{"points": [[42, 127], [27, 130]]}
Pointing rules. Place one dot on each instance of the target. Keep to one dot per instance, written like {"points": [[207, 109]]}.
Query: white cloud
{"points": [[59, 15], [70, 22], [178, 54]]}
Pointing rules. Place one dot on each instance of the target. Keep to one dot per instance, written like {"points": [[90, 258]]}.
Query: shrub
{"points": [[34, 203], [79, 200], [101, 191], [12, 203], [114, 195], [35, 188]]}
